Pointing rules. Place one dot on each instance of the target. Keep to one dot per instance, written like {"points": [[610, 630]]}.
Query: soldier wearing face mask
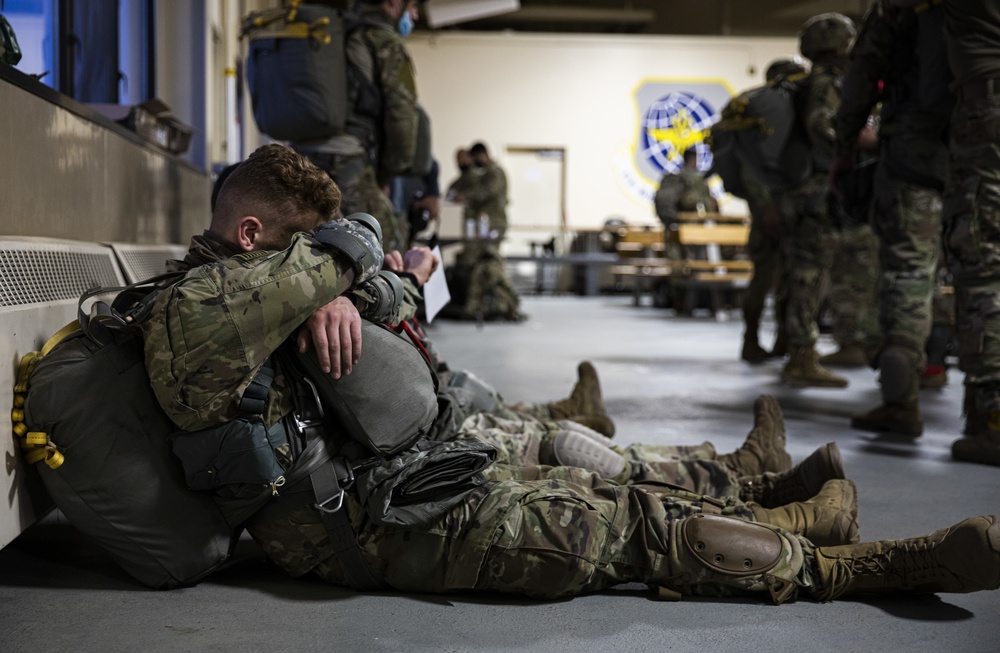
{"points": [[380, 141]]}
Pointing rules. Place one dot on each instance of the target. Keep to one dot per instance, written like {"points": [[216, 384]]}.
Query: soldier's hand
{"points": [[393, 261], [335, 331], [420, 262]]}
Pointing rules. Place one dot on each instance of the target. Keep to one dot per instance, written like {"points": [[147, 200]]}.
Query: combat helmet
{"points": [[826, 35], [784, 67]]}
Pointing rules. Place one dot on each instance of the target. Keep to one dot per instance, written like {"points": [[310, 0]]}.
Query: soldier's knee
{"points": [[713, 551]]}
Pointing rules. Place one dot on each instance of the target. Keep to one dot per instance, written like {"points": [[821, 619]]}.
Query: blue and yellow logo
{"points": [[673, 124], [672, 117]]}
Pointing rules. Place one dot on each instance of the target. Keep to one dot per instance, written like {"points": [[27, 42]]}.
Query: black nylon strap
{"points": [[329, 502]]}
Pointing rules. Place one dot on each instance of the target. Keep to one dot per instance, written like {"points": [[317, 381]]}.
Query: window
{"points": [[91, 50]]}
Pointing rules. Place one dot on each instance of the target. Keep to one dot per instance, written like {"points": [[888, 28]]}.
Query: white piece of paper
{"points": [[436, 293]]}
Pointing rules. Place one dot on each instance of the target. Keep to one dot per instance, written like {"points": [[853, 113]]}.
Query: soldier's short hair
{"points": [[282, 189], [478, 148]]}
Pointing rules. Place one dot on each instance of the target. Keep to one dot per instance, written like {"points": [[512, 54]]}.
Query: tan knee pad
{"points": [[712, 550]]}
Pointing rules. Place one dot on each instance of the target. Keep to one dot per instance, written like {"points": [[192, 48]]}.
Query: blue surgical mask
{"points": [[405, 25]]}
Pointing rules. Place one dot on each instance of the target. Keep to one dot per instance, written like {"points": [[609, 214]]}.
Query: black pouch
{"points": [[423, 483], [240, 451]]}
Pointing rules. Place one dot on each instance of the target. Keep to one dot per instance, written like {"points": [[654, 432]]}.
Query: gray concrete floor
{"points": [[665, 379]]}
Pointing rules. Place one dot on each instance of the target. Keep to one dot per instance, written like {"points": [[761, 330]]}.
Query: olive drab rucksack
{"points": [[297, 72], [84, 406], [759, 130]]}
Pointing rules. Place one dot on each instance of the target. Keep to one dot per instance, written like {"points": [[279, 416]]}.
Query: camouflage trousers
{"points": [[523, 442], [361, 194], [907, 221], [852, 295], [971, 241], [768, 276], [807, 247], [566, 533]]}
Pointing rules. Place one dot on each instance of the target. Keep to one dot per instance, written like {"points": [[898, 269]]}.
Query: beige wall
{"points": [[576, 92]]}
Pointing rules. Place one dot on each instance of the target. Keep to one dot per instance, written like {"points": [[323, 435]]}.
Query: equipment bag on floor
{"points": [[90, 414]]}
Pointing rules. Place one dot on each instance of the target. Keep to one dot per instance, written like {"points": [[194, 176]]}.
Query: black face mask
{"points": [[464, 167]]}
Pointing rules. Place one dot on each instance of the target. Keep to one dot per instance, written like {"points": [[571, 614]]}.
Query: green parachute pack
{"points": [[759, 131], [88, 411]]}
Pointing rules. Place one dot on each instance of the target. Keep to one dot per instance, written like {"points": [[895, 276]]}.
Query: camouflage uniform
{"points": [[486, 286], [768, 275], [524, 441], [485, 191], [909, 179], [567, 532], [852, 295], [380, 141], [681, 191], [809, 231], [972, 215]]}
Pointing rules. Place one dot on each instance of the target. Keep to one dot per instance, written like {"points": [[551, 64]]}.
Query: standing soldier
{"points": [[971, 235], [807, 225], [904, 53], [380, 141], [487, 194], [489, 292], [764, 248]]}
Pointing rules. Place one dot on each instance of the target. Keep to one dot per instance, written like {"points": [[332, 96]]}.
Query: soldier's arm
{"points": [[209, 333], [821, 104], [396, 76], [870, 57]]}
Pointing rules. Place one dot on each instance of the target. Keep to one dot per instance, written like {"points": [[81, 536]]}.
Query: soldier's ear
{"points": [[248, 233]]}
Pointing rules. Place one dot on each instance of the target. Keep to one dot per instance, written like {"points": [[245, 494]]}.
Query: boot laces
{"points": [[904, 560]]}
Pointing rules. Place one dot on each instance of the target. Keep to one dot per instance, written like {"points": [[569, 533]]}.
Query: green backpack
{"points": [[90, 414], [759, 130], [297, 70]]}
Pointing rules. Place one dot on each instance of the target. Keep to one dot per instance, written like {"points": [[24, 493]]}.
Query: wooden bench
{"points": [[713, 248]]}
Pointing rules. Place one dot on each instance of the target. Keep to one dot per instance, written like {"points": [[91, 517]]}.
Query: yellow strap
{"points": [[24, 369], [295, 31], [60, 335], [17, 415], [36, 455], [36, 438], [20, 429], [18, 400], [54, 458]]}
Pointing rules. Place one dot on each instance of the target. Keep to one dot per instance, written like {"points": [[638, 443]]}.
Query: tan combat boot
{"points": [[585, 399], [851, 356], [962, 558], [764, 449], [803, 370], [800, 483], [828, 519]]}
